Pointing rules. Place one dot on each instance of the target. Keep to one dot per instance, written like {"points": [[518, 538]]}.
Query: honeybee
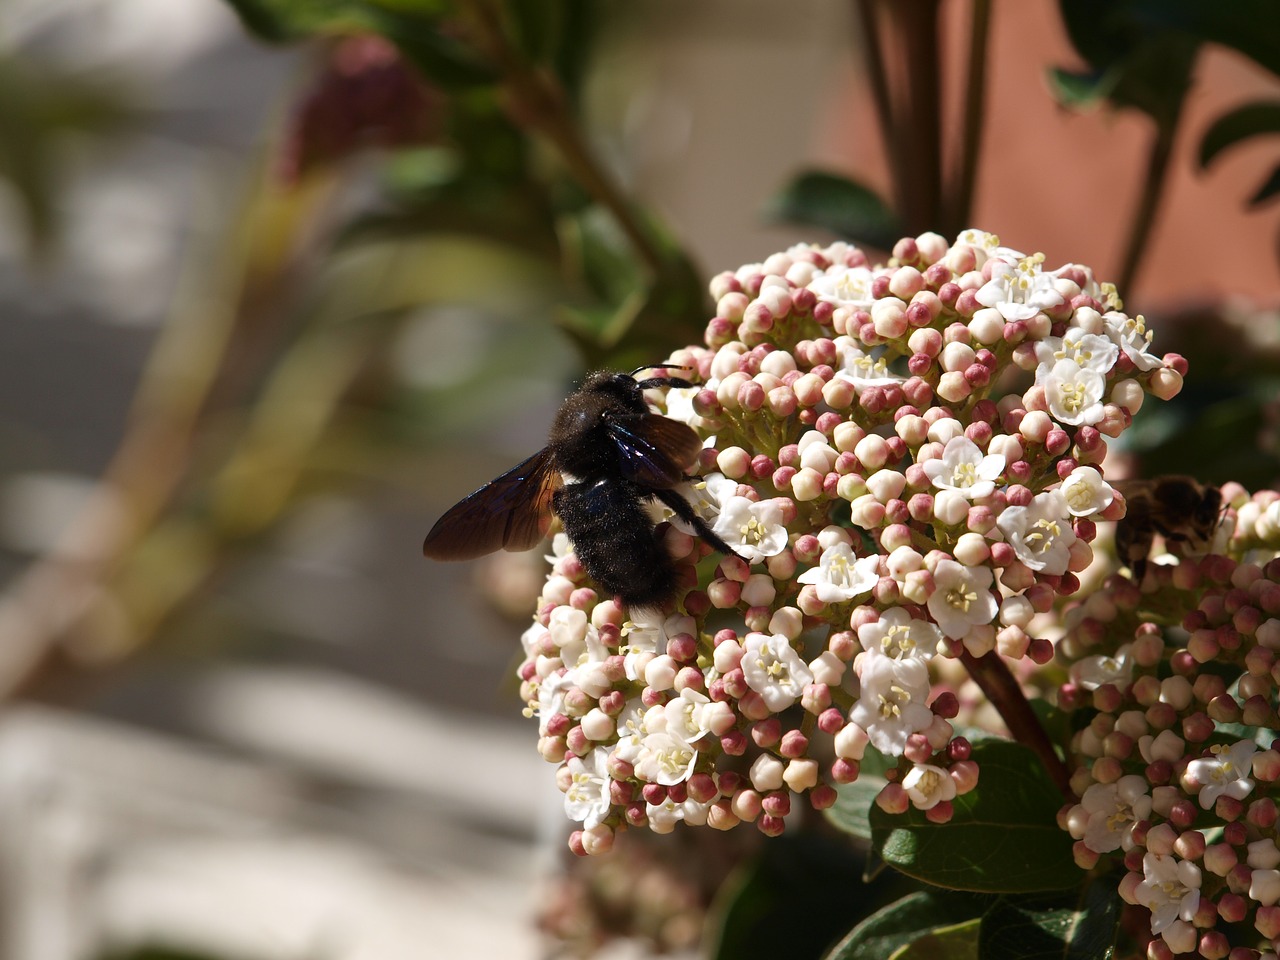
{"points": [[607, 455], [1181, 509]]}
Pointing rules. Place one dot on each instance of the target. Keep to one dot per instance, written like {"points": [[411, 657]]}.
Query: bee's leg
{"points": [[681, 507]]}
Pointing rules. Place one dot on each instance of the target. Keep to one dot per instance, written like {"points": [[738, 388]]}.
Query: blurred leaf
{"points": [[852, 809], [1081, 926], [415, 26], [836, 203], [1003, 838], [165, 953], [907, 921], [793, 900], [1239, 124], [1268, 189], [536, 26], [41, 112], [1102, 29], [1223, 420], [1079, 90]]}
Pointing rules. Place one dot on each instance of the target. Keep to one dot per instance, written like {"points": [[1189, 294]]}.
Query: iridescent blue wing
{"points": [[653, 450], [512, 512]]}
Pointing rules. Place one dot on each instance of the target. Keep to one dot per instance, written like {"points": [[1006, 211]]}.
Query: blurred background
{"points": [[282, 280]]}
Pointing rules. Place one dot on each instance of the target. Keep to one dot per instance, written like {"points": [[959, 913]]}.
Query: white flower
{"points": [[631, 731], [688, 718], [1170, 890], [1040, 534], [861, 369], [1133, 337], [844, 286], [1114, 809], [1074, 393], [773, 670], [964, 469], [1086, 492], [962, 598], [1226, 773], [569, 627], [665, 758], [841, 576], [1089, 350], [900, 636], [551, 692], [706, 496], [1089, 673], [587, 799], [680, 402], [988, 245], [1019, 291], [640, 642], [753, 528], [891, 705], [928, 786], [664, 816]]}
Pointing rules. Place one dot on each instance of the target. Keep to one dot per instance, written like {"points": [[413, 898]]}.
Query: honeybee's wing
{"points": [[511, 512], [653, 450]]}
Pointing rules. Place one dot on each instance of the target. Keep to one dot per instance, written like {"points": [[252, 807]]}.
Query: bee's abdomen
{"points": [[613, 537]]}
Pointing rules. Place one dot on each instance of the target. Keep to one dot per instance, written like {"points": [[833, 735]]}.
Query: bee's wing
{"points": [[653, 450], [511, 512]]}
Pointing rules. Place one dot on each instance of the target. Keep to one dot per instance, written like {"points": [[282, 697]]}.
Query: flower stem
{"points": [[539, 103], [1153, 185], [916, 23], [975, 96], [993, 677]]}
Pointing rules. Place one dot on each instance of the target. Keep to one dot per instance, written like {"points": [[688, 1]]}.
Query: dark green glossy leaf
{"points": [[1003, 838], [1081, 926], [793, 900], [833, 202], [958, 942], [1250, 120], [906, 921]]}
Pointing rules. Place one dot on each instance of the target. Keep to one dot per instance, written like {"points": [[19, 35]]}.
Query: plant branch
{"points": [[993, 677], [916, 23], [1152, 191], [538, 103], [890, 134], [961, 206]]}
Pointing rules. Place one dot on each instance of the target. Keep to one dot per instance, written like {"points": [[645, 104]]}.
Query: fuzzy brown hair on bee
{"points": [[607, 456], [1181, 509]]}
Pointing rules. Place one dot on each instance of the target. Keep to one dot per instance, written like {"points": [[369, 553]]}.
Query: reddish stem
{"points": [[993, 677]]}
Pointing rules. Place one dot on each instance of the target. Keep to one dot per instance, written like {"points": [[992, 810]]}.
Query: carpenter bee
{"points": [[1181, 509], [606, 457]]}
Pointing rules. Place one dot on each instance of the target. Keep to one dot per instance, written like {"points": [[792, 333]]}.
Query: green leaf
{"points": [[1082, 926], [1003, 838], [836, 203], [1079, 90], [412, 25], [852, 810], [907, 921], [958, 942], [1138, 61], [1252, 119], [793, 900]]}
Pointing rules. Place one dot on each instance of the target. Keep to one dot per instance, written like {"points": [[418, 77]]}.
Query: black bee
{"points": [[1181, 509], [607, 455]]}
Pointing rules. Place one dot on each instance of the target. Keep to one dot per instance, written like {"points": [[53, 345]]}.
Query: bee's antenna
{"points": [[660, 366]]}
